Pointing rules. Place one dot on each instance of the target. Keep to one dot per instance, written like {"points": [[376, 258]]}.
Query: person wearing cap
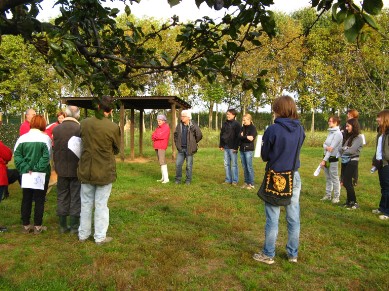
{"points": [[186, 138], [160, 138]]}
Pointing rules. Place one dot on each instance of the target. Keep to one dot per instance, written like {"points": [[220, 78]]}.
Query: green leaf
{"points": [[174, 2], [373, 7], [353, 32], [351, 35], [54, 46], [349, 21], [127, 9], [370, 20], [256, 42], [114, 12], [334, 9], [341, 16], [314, 3]]}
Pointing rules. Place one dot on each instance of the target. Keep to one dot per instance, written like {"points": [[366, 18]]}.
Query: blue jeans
{"points": [[231, 166], [181, 156], [383, 175], [94, 195], [247, 165], [293, 221]]}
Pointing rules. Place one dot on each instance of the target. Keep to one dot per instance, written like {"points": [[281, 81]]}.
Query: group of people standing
{"points": [[234, 137], [346, 146], [187, 135], [85, 172], [85, 181]]}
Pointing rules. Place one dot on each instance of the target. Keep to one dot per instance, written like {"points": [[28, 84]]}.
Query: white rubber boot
{"points": [[165, 174], [162, 175]]}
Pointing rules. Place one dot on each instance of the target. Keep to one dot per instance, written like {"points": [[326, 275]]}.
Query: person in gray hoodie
{"points": [[350, 151], [331, 158]]}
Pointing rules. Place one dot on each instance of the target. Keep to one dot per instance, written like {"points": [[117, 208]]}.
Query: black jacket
{"points": [[245, 144], [194, 135], [230, 135]]}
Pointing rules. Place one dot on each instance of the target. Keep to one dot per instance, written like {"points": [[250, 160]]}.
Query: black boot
{"points": [[74, 224], [63, 225], [6, 193]]}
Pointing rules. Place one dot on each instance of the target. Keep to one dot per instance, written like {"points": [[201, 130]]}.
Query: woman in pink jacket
{"points": [[5, 157], [160, 139]]}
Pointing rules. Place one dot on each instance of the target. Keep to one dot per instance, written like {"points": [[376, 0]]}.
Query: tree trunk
{"points": [[216, 118], [313, 121], [210, 114]]}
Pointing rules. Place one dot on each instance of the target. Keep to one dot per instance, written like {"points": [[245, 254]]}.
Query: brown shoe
{"points": [[106, 240], [27, 228], [38, 229]]}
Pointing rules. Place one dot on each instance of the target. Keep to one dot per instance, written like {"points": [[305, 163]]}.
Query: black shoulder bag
{"points": [[277, 187]]}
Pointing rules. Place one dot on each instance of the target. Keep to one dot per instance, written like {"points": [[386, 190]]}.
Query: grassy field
{"points": [[202, 236]]}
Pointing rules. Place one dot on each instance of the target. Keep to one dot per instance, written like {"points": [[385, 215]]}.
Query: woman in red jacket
{"points": [[5, 157], [49, 129], [160, 139]]}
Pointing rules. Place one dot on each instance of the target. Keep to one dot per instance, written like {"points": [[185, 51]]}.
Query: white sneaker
{"points": [[335, 200], [292, 259], [383, 217], [104, 241], [326, 198], [376, 211], [261, 257]]}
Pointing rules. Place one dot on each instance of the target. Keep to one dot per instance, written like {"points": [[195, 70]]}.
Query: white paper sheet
{"points": [[75, 145], [363, 139], [317, 172], [34, 180], [258, 146]]}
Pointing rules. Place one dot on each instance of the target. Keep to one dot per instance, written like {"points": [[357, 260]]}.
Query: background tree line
{"points": [[326, 73]]}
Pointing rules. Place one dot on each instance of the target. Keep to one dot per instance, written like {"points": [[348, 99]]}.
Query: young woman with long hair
{"points": [[350, 151], [282, 142], [381, 161]]}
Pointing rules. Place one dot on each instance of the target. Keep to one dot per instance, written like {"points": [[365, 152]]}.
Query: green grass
{"points": [[202, 236]]}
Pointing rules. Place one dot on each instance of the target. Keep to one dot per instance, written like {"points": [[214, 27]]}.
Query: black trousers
{"points": [[38, 196], [347, 173], [13, 176], [68, 199]]}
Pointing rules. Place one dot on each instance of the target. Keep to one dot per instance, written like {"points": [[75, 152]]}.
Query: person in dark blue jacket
{"points": [[281, 141], [229, 143]]}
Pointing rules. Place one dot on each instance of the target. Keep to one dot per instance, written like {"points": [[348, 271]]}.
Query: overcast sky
{"points": [[186, 10]]}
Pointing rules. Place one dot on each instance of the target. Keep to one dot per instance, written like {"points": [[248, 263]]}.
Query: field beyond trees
{"points": [[202, 236]]}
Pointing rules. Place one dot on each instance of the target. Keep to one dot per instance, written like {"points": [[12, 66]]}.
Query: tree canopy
{"points": [[86, 43]]}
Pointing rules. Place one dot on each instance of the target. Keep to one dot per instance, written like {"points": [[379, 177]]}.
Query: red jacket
{"points": [[24, 128], [49, 129], [5, 157], [161, 136]]}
